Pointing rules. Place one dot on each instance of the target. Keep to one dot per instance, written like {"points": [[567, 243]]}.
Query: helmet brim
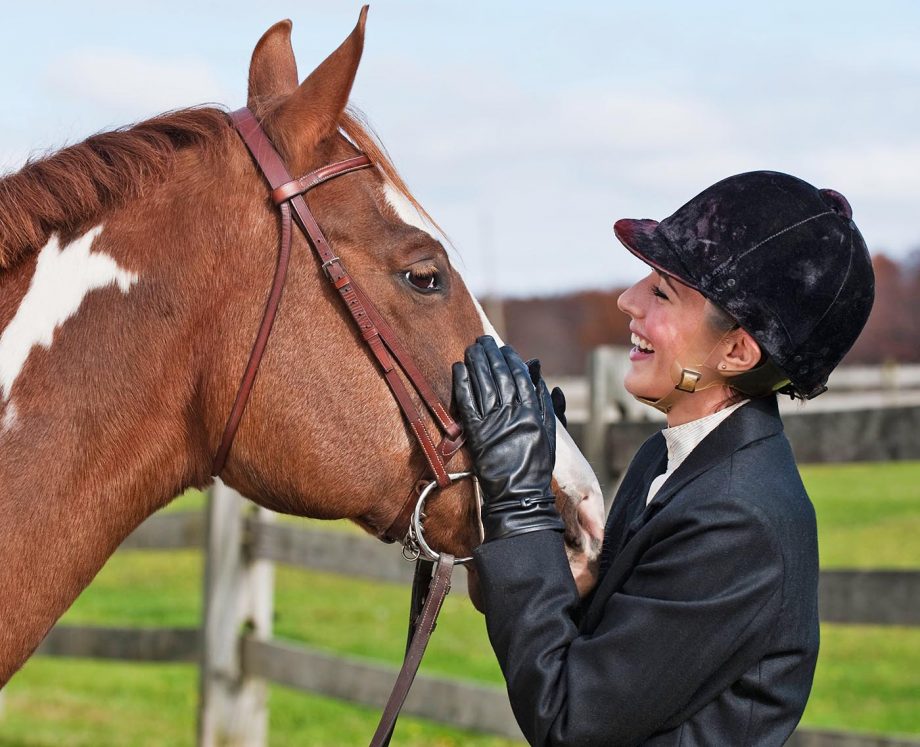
{"points": [[642, 238]]}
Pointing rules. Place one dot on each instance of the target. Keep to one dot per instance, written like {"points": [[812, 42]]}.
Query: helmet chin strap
{"points": [[688, 379]]}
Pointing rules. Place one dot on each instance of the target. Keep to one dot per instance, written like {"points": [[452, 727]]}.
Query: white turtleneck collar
{"points": [[684, 438]]}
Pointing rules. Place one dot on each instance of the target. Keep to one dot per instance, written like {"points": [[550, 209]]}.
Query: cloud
{"points": [[131, 85], [527, 158], [550, 167]]}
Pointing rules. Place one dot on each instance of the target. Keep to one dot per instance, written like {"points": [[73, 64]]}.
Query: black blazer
{"points": [[703, 628]]}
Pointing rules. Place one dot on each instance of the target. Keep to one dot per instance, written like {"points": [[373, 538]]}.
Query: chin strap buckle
{"points": [[688, 380]]}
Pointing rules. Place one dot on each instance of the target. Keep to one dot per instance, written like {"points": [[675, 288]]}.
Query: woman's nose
{"points": [[627, 301]]}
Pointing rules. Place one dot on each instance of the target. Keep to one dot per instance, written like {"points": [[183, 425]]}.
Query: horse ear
{"points": [[273, 70], [313, 111]]}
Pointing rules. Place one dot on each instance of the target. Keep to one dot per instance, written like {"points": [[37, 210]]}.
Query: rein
{"points": [[433, 570]]}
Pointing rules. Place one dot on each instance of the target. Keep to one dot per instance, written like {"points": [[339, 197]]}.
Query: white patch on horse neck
{"points": [[63, 278], [9, 418]]}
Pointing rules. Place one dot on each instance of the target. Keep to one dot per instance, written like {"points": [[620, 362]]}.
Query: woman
{"points": [[703, 627]]}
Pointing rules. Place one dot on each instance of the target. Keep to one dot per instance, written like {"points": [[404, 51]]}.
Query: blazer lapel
{"points": [[630, 498], [752, 422], [756, 420]]}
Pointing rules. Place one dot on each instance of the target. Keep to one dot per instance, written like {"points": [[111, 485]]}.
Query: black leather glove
{"points": [[511, 435], [557, 396]]}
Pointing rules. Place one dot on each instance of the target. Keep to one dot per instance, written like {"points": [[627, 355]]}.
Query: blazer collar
{"points": [[756, 420]]}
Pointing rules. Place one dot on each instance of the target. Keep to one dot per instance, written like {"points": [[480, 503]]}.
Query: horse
{"points": [[134, 268]]}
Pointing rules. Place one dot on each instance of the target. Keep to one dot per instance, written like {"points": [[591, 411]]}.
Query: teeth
{"points": [[640, 342]]}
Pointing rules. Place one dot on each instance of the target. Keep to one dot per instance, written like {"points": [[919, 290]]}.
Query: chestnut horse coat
{"points": [[703, 628]]}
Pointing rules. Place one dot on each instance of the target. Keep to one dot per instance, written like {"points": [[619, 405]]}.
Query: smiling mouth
{"points": [[642, 345]]}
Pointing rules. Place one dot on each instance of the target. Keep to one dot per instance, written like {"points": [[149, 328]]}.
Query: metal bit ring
{"points": [[415, 538]]}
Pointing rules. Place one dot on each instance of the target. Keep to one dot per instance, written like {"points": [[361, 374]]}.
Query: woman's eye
{"points": [[656, 291], [425, 281]]}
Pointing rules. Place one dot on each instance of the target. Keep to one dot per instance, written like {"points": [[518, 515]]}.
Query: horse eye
{"points": [[427, 281]]}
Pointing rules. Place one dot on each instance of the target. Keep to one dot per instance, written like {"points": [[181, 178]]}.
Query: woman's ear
{"points": [[741, 353]]}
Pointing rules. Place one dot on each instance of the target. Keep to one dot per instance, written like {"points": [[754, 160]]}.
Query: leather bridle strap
{"points": [[430, 590], [258, 348], [379, 336]]}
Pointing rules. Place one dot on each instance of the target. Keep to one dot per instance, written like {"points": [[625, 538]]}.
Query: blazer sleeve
{"points": [[695, 612]]}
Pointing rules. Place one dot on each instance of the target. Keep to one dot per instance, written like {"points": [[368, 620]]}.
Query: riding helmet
{"points": [[781, 257]]}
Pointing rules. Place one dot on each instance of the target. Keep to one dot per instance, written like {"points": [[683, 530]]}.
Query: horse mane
{"points": [[80, 183]]}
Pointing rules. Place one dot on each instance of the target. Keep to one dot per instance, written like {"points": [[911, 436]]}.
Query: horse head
{"points": [[324, 437], [134, 268]]}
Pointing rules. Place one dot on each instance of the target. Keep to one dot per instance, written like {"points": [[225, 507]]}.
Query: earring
{"points": [[723, 366]]}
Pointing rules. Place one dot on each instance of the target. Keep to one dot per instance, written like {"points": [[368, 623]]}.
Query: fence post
{"points": [[238, 601], [607, 366]]}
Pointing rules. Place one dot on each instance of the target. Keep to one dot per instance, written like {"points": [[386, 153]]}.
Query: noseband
{"points": [[431, 584]]}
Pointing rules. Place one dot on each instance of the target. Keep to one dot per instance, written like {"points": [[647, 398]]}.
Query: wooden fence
{"points": [[616, 424], [243, 543], [238, 656]]}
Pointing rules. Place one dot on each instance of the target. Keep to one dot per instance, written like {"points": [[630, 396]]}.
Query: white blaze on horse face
{"points": [[404, 209], [63, 278], [487, 326], [577, 480], [573, 474]]}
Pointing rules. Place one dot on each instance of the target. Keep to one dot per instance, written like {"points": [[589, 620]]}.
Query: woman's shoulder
{"points": [[760, 480]]}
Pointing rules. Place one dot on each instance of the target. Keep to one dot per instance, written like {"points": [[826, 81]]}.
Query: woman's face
{"points": [[668, 325]]}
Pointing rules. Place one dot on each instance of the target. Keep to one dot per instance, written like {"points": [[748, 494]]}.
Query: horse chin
{"points": [[581, 504], [584, 566], [584, 535]]}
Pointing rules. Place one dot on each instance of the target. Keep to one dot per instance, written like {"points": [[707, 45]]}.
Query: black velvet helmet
{"points": [[783, 258]]}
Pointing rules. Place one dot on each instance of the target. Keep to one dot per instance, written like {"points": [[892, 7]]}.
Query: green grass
{"points": [[363, 618], [868, 678], [868, 514], [68, 703]]}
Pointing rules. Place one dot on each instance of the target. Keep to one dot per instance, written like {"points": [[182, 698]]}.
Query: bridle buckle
{"points": [[327, 264]]}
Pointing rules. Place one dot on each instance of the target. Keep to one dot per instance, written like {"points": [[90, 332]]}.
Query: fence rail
{"points": [[816, 437], [129, 644], [462, 704], [242, 547], [846, 596]]}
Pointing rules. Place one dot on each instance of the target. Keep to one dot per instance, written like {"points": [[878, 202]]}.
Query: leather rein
{"points": [[433, 570]]}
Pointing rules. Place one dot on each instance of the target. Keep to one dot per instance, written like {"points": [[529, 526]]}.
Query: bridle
{"points": [[433, 569]]}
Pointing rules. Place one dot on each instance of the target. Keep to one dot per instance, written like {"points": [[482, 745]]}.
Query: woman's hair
{"points": [[763, 380]]}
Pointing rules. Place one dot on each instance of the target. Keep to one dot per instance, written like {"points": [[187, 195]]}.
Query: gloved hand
{"points": [[557, 396], [511, 435]]}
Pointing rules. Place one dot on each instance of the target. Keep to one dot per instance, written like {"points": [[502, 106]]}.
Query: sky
{"points": [[526, 129]]}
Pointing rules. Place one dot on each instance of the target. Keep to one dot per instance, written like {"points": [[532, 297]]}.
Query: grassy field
{"points": [[868, 678]]}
